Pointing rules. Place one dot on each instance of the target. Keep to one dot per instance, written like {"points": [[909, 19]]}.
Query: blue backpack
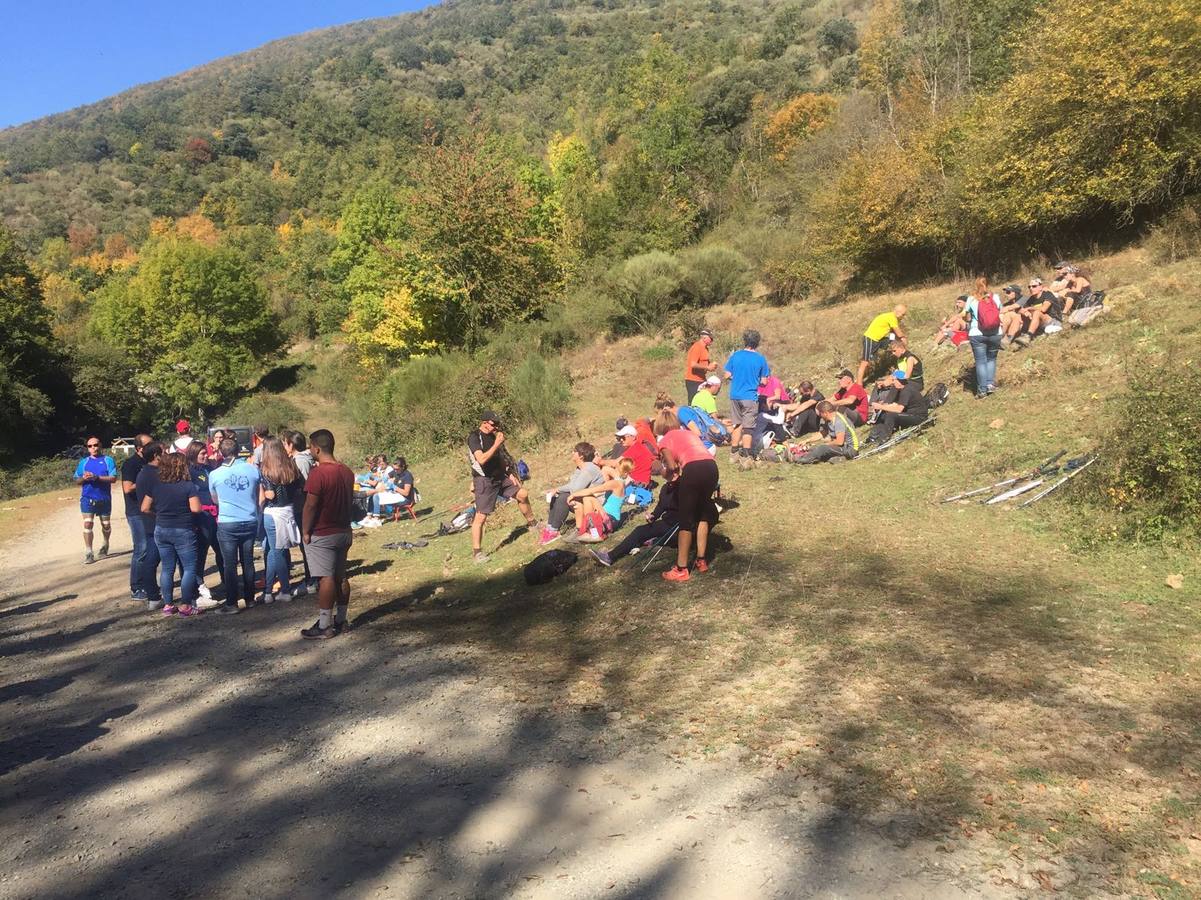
{"points": [[716, 432]]}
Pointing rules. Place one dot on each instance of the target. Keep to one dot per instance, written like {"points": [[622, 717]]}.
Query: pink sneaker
{"points": [[548, 536], [189, 611], [170, 609]]}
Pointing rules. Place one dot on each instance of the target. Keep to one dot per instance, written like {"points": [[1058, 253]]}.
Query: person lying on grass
{"points": [[661, 526]]}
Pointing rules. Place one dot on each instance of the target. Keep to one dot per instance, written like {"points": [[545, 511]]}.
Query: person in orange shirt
{"points": [[698, 366]]}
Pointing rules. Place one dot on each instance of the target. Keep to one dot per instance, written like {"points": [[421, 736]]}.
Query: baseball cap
{"points": [[705, 332], [1014, 289], [1036, 282], [846, 373], [1061, 265], [183, 426], [900, 375], [622, 422], [712, 379], [627, 431], [489, 415]]}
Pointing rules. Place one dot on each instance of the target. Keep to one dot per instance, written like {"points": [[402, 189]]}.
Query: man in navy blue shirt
{"points": [[746, 369]]}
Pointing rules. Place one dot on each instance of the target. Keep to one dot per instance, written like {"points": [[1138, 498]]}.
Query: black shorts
{"points": [[487, 492], [870, 347], [698, 481]]}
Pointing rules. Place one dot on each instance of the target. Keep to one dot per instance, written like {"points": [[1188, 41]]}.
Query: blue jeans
{"points": [[206, 537], [236, 540], [985, 348], [137, 531], [278, 561], [177, 545]]}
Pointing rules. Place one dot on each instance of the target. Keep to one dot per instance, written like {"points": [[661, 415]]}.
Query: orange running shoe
{"points": [[702, 566], [675, 573]]}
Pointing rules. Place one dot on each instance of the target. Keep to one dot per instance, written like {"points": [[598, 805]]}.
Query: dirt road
{"points": [[222, 756]]}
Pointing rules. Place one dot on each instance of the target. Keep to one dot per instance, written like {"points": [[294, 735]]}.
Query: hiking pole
{"points": [[1075, 470], [1041, 470], [1015, 492], [897, 438], [662, 544]]}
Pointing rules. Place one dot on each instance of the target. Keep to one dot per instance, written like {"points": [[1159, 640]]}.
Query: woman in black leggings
{"points": [[662, 524], [688, 462]]}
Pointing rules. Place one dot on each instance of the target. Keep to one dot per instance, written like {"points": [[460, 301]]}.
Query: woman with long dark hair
{"points": [[687, 461], [174, 501], [279, 487]]}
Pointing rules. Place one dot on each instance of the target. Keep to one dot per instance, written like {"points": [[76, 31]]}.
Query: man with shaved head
{"points": [[877, 333]]}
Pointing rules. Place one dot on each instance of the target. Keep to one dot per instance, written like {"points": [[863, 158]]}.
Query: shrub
{"points": [[539, 394], [646, 289], [36, 477], [1150, 477], [713, 275], [1178, 234], [265, 408]]}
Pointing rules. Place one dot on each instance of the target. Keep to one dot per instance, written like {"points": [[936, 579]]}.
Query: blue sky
{"points": [[59, 55]]}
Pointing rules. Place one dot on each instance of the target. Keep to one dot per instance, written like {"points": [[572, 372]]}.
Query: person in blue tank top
{"points": [[95, 475]]}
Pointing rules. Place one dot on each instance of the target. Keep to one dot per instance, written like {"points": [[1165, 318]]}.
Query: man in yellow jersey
{"points": [[877, 333]]}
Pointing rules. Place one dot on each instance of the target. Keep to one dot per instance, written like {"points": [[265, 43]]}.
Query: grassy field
{"points": [[967, 674]]}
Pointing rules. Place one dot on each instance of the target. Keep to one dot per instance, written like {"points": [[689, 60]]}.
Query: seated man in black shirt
{"points": [[801, 417], [1042, 308], [906, 409]]}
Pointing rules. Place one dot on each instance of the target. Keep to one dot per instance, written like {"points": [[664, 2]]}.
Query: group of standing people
{"points": [[187, 498]]}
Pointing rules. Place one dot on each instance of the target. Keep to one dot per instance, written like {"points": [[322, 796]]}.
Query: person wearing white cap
{"points": [[706, 397]]}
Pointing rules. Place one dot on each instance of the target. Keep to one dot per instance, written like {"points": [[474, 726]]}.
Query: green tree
{"points": [[192, 320]]}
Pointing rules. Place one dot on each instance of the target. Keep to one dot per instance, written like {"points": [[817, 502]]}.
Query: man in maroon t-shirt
{"points": [[326, 532], [850, 398]]}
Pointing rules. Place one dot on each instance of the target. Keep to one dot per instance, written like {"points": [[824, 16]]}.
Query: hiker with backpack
{"points": [[982, 313], [841, 441], [493, 476], [688, 462], [908, 408]]}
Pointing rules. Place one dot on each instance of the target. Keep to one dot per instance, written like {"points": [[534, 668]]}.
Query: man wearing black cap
{"points": [[494, 476], [698, 366]]}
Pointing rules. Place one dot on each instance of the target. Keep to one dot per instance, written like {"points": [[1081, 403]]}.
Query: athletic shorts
{"points": [[487, 492], [96, 507], [870, 347], [744, 412], [326, 554]]}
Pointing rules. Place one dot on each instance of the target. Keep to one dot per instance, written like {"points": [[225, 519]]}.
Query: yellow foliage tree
{"points": [[796, 120]]}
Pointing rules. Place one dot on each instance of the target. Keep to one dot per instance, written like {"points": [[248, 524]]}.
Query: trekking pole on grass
{"points": [[662, 544], [1074, 471], [1041, 470], [897, 438], [1014, 492]]}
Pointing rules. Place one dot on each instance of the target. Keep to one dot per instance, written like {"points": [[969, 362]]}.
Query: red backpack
{"points": [[988, 314]]}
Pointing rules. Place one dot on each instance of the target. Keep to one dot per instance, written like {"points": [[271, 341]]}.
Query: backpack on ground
{"points": [[937, 395], [523, 470], [547, 566], [988, 314]]}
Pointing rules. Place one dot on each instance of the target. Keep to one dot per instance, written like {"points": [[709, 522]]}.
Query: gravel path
{"points": [[143, 757]]}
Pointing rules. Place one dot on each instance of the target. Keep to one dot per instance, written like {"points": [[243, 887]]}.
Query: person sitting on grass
{"points": [[909, 364], [686, 459], [661, 526], [562, 504], [598, 508], [1012, 322], [640, 454], [747, 371], [877, 333], [908, 408], [851, 398], [800, 416], [951, 329], [841, 441]]}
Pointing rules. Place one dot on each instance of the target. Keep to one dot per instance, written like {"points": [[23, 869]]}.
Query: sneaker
{"points": [[266, 599], [299, 591], [170, 609], [284, 598], [1006, 342], [602, 557], [186, 611], [1023, 340], [591, 538], [372, 522], [702, 565], [479, 556], [204, 592], [154, 605], [138, 596], [88, 558], [571, 536], [317, 633], [313, 585], [104, 549], [991, 389], [207, 603], [356, 526], [675, 573], [228, 609], [548, 536]]}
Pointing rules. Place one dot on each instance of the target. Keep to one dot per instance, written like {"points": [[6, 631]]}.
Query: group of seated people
{"points": [[1067, 301], [384, 489]]}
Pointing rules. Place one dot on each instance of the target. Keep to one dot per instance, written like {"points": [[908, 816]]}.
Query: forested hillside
{"points": [[410, 185]]}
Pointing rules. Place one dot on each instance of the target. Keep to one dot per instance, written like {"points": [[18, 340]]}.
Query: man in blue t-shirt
{"points": [[95, 475], [746, 369], [235, 486]]}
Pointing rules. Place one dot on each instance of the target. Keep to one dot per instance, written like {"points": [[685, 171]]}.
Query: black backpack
{"points": [[937, 395], [546, 566]]}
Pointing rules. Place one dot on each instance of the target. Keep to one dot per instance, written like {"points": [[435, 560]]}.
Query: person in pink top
{"points": [[688, 462]]}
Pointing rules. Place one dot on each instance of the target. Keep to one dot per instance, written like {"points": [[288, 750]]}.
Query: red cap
{"points": [[183, 426]]}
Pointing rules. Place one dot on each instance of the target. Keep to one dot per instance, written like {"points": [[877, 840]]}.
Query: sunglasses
{"points": [[90, 446]]}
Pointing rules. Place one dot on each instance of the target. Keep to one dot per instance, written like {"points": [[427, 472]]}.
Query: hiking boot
{"points": [[602, 557], [702, 565], [1005, 342], [548, 536], [317, 633], [1023, 340], [88, 558], [675, 573], [479, 557], [570, 536]]}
